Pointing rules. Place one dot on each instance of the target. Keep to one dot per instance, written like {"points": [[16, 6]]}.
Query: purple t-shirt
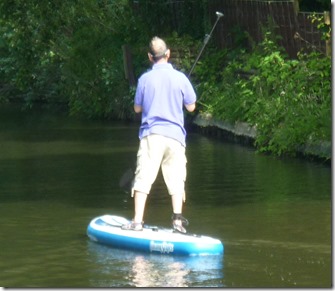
{"points": [[162, 92]]}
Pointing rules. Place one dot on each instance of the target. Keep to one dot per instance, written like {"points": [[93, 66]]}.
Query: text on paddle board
{"points": [[163, 247]]}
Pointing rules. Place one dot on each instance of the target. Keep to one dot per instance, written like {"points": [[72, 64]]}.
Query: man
{"points": [[160, 96]]}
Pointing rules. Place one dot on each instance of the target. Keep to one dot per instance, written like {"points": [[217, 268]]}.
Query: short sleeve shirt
{"points": [[162, 92]]}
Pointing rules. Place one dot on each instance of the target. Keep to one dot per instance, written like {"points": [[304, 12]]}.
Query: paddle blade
{"points": [[127, 180]]}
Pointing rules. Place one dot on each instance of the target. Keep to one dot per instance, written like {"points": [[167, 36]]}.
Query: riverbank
{"points": [[243, 133]]}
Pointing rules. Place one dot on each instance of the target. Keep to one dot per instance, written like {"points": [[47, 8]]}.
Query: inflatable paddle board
{"points": [[107, 230]]}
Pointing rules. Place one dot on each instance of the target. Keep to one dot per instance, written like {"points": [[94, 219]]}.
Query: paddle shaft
{"points": [[206, 40]]}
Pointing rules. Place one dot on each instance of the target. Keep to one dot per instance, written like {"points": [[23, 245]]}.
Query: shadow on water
{"points": [[152, 270]]}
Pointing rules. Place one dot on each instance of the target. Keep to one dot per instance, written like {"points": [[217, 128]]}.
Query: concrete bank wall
{"points": [[244, 133]]}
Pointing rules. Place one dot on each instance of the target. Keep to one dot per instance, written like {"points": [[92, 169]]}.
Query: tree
{"points": [[68, 51]]}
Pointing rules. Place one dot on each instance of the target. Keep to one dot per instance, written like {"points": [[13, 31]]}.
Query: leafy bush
{"points": [[68, 51], [71, 51], [289, 101]]}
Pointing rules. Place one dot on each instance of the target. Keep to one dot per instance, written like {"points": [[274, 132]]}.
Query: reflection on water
{"points": [[153, 270], [57, 173]]}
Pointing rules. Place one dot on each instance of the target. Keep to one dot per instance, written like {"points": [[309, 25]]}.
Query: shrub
{"points": [[289, 101]]}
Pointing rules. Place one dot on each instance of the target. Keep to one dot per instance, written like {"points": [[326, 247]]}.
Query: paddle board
{"points": [[107, 230]]}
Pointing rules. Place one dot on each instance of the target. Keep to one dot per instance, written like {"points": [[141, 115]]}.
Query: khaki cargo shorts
{"points": [[157, 151]]}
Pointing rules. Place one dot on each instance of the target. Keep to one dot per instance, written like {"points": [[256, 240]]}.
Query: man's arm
{"points": [[190, 107], [137, 108]]}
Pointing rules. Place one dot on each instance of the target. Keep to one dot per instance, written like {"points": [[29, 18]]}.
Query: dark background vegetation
{"points": [[72, 53]]}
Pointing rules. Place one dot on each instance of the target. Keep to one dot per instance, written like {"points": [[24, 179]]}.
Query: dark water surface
{"points": [[57, 173]]}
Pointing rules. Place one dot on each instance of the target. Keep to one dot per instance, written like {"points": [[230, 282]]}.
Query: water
{"points": [[57, 173]]}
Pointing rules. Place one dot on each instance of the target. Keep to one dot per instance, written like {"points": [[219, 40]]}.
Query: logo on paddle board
{"points": [[163, 247]]}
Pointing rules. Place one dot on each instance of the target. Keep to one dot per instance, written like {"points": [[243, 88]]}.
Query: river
{"points": [[273, 215]]}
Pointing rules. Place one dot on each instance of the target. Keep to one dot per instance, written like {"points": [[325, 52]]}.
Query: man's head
{"points": [[158, 51]]}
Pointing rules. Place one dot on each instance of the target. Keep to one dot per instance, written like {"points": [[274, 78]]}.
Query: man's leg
{"points": [[137, 223], [174, 172], [149, 157], [140, 200], [178, 221], [177, 203]]}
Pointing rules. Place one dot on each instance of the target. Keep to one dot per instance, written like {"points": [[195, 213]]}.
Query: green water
{"points": [[57, 173]]}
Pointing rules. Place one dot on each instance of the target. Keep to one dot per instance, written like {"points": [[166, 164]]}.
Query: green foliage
{"points": [[29, 67], [289, 101], [68, 51], [93, 72], [183, 49], [324, 27], [71, 51]]}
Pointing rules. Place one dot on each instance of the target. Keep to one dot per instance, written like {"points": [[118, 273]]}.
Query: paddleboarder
{"points": [[160, 97]]}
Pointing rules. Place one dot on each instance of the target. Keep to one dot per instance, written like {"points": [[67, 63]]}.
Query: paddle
{"points": [[127, 179], [207, 37]]}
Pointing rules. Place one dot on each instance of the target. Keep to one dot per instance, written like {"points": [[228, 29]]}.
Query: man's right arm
{"points": [[137, 108], [138, 97]]}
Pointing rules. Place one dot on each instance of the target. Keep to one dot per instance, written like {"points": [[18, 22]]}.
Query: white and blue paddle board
{"points": [[107, 230]]}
